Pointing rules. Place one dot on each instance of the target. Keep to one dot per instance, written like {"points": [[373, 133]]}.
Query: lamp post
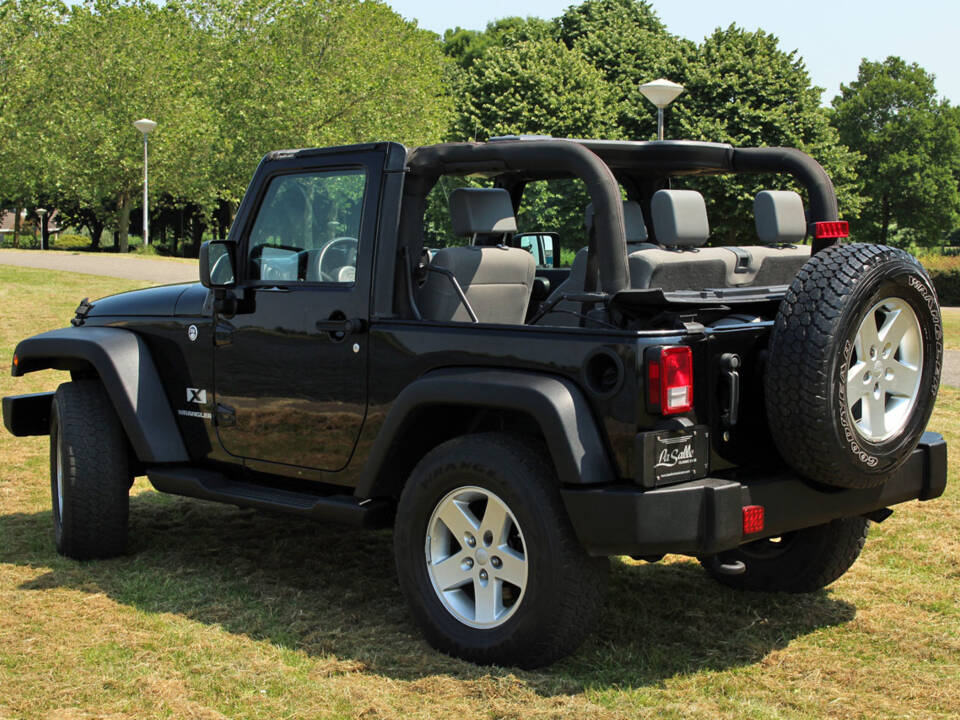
{"points": [[145, 127], [661, 93], [40, 213]]}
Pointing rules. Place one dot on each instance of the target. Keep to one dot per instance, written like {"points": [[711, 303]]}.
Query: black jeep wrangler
{"points": [[753, 406]]}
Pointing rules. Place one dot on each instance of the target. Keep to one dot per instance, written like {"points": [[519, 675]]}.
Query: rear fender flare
{"points": [[125, 366], [556, 404]]}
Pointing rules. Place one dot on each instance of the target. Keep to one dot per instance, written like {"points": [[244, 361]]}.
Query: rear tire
{"points": [[89, 473], [524, 594], [799, 562]]}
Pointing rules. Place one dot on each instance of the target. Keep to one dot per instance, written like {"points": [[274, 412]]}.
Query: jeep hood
{"points": [[162, 301]]}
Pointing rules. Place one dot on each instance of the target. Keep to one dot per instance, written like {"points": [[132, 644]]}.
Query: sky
{"points": [[830, 35]]}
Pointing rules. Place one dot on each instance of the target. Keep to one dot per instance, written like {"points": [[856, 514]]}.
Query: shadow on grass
{"points": [[332, 591]]}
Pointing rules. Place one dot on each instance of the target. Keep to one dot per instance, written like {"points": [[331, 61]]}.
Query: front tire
{"points": [[89, 473], [487, 558], [799, 562]]}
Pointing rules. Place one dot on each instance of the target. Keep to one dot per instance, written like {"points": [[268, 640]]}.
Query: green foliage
{"points": [[70, 241], [629, 45], [226, 81], [910, 152], [534, 86], [466, 46], [741, 88], [944, 271]]}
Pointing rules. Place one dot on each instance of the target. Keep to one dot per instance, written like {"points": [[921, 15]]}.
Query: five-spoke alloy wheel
{"points": [[853, 365], [486, 555]]}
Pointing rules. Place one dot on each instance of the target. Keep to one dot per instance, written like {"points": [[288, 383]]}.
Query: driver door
{"points": [[291, 386]]}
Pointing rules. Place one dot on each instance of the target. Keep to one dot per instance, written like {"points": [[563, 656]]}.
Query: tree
{"points": [[537, 86], [910, 152], [24, 24], [742, 89], [629, 45]]}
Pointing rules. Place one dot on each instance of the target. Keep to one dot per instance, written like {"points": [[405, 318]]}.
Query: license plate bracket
{"points": [[673, 456]]}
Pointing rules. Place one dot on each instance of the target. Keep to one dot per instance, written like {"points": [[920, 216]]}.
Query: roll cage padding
{"points": [[123, 362], [561, 156], [556, 404]]}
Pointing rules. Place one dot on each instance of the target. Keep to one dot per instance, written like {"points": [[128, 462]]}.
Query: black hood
{"points": [[154, 302]]}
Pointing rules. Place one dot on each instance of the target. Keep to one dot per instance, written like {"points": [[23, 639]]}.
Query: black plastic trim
{"points": [[25, 415], [556, 404], [216, 487], [704, 517], [125, 366]]}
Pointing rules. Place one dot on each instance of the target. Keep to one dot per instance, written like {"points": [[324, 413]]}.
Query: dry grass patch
{"points": [[219, 612], [951, 328]]}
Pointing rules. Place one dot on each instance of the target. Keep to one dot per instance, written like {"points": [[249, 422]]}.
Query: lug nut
{"points": [[483, 574], [469, 563], [471, 540], [488, 538], [495, 561]]}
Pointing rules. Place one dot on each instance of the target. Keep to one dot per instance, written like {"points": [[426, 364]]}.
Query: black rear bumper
{"points": [[704, 517]]}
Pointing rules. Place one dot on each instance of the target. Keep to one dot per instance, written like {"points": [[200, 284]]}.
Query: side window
{"points": [[308, 228]]}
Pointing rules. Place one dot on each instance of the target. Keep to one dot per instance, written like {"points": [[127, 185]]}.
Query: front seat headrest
{"points": [[481, 211], [632, 220], [680, 218], [779, 217]]}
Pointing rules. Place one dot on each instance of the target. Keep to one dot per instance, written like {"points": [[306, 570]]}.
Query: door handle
{"points": [[344, 326]]}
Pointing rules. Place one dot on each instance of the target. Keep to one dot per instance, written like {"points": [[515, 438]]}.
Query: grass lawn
{"points": [[220, 612], [951, 328]]}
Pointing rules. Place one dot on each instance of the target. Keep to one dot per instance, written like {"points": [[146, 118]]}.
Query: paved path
{"points": [[951, 368], [108, 264]]}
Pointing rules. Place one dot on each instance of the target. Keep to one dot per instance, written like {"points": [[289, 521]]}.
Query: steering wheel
{"points": [[333, 275]]}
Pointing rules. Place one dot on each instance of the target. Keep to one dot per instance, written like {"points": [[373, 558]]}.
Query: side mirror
{"points": [[216, 264]]}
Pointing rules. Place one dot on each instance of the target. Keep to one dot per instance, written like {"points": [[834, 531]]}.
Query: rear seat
{"points": [[681, 262]]}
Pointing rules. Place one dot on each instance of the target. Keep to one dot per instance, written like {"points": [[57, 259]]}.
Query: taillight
{"points": [[670, 380], [832, 229]]}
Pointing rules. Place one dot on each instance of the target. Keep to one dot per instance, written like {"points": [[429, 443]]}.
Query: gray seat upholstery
{"points": [[497, 281], [680, 221], [576, 281], [780, 223]]}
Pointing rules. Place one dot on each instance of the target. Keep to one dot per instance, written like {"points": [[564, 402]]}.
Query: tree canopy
{"points": [[228, 80], [909, 167]]}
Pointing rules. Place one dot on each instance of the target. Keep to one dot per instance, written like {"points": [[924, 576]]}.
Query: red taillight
{"points": [[752, 519], [833, 229], [670, 380]]}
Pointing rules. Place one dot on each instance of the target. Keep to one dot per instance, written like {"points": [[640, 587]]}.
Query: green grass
{"points": [[219, 612], [951, 328]]}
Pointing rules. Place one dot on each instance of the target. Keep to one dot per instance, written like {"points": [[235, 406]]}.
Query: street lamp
{"points": [[146, 127], [661, 93], [40, 213]]}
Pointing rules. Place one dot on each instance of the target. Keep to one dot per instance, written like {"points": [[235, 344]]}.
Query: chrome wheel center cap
{"points": [[481, 557]]}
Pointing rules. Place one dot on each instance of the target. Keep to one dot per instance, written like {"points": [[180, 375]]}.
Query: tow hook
{"points": [[735, 567], [729, 363]]}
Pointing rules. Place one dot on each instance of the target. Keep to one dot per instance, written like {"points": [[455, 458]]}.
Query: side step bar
{"points": [[210, 485]]}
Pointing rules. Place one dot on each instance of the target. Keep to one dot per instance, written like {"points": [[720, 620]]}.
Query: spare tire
{"points": [[854, 364]]}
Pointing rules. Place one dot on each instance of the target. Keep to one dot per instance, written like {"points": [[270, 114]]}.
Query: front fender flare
{"points": [[556, 404], [123, 361]]}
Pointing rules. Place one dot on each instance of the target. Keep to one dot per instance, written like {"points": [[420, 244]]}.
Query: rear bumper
{"points": [[704, 517]]}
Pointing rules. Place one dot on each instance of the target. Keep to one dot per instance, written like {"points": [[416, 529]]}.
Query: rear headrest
{"points": [[481, 211], [632, 218], [680, 218], [779, 217]]}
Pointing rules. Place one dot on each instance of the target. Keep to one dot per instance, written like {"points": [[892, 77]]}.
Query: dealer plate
{"points": [[672, 456]]}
